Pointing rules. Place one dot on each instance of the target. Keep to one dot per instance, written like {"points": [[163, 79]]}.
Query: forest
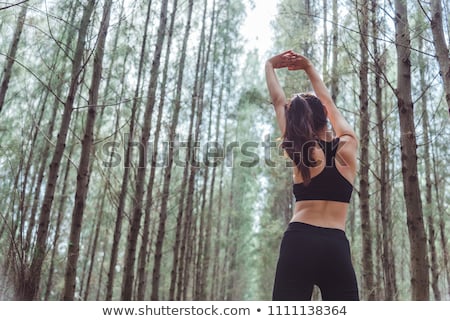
{"points": [[140, 157]]}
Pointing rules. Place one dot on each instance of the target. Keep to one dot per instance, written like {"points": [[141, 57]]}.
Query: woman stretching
{"points": [[314, 249]]}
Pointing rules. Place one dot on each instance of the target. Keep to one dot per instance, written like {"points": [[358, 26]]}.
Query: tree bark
{"points": [[367, 261], [143, 252], [83, 174], [30, 284], [442, 229], [202, 263], [133, 233], [325, 41], [59, 219], [428, 182], [411, 190], [7, 70], [108, 183], [442, 50], [387, 255], [127, 166], [170, 160], [334, 67], [214, 292], [175, 283]]}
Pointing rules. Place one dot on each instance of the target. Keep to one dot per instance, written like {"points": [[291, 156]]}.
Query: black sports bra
{"points": [[329, 184]]}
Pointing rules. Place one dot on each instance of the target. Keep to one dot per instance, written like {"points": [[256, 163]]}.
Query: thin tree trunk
{"points": [[334, 67], [183, 220], [428, 182], [25, 243], [188, 178], [102, 270], [101, 203], [10, 59], [45, 152], [230, 257], [111, 70], [30, 285], [178, 267], [411, 190], [442, 51], [93, 252], [127, 166], [218, 231], [196, 107], [210, 211], [59, 219], [43, 164], [88, 242], [364, 204], [170, 160], [143, 252], [442, 222], [203, 232], [130, 255], [83, 174], [387, 256], [179, 248], [378, 282], [325, 41]]}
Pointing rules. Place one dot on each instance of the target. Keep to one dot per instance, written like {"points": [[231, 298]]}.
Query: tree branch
{"points": [[13, 5]]}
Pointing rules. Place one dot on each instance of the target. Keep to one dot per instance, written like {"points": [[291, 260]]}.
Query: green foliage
{"points": [[252, 201]]}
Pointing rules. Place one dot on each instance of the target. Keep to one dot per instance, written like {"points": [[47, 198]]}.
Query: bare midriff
{"points": [[329, 214], [323, 213]]}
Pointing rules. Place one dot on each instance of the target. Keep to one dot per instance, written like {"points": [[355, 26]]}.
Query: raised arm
{"points": [[339, 123], [273, 85]]}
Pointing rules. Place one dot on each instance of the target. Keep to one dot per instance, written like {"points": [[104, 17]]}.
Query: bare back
{"points": [[325, 213]]}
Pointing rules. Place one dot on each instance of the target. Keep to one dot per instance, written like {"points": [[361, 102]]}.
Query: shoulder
{"points": [[347, 148], [349, 140]]}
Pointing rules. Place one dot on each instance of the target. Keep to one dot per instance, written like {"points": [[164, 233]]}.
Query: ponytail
{"points": [[300, 137]]}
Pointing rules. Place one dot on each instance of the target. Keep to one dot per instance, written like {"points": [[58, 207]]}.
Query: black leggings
{"points": [[314, 255]]}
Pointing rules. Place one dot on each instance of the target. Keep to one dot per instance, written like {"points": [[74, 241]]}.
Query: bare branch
{"points": [[47, 86], [13, 5]]}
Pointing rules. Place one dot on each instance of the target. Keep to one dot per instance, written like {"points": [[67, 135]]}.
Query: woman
{"points": [[314, 249]]}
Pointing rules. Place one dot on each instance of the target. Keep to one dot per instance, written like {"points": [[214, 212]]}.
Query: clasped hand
{"points": [[290, 60]]}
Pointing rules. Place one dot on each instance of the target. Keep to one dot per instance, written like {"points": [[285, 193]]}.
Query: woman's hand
{"points": [[291, 60], [282, 60], [298, 62]]}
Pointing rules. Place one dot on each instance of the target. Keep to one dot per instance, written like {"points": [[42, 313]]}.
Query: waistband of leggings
{"points": [[327, 231]]}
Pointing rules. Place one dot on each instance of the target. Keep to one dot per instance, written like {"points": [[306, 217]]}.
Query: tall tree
{"points": [[133, 233], [29, 286], [437, 178], [83, 174], [428, 182], [387, 255], [442, 50], [362, 8], [325, 41], [170, 161], [10, 59], [202, 264], [143, 253], [411, 190], [334, 47], [127, 164]]}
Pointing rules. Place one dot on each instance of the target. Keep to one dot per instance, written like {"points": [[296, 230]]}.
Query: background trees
{"points": [[142, 163]]}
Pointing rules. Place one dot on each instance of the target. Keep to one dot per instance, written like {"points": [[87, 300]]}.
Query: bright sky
{"points": [[256, 28]]}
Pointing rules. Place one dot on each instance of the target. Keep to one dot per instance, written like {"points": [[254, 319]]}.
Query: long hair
{"points": [[305, 117]]}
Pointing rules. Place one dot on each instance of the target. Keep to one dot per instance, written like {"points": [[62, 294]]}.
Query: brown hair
{"points": [[305, 116]]}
